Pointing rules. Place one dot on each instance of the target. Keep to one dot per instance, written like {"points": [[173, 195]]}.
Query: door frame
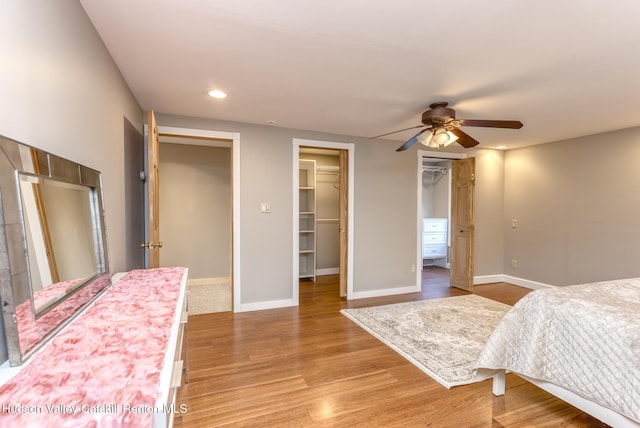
{"points": [[235, 167], [421, 155], [350, 148]]}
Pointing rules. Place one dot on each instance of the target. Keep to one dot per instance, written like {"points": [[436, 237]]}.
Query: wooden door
{"points": [[344, 217], [462, 226], [153, 243]]}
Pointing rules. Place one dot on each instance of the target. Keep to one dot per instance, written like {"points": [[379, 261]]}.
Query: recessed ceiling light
{"points": [[271, 122], [501, 147], [216, 93]]}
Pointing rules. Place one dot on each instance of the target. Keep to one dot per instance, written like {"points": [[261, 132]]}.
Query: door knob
{"points": [[151, 245]]}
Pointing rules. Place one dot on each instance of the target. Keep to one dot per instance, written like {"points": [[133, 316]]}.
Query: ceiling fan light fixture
{"points": [[441, 137], [452, 139], [426, 139]]}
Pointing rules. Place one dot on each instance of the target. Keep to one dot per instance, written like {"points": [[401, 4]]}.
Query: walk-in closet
{"points": [[319, 225], [436, 212]]}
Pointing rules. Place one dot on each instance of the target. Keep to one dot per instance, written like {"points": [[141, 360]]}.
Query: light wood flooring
{"points": [[309, 366]]}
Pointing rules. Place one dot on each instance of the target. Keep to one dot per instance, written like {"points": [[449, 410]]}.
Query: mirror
{"points": [[60, 241], [53, 238]]}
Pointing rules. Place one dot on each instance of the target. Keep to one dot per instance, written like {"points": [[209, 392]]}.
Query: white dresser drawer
{"points": [[434, 225], [434, 238], [434, 251]]}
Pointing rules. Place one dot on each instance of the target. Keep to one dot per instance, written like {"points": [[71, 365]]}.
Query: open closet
{"points": [[319, 213], [196, 217], [436, 212]]}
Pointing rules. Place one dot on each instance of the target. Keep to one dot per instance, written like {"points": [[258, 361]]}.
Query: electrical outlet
{"points": [[514, 264]]}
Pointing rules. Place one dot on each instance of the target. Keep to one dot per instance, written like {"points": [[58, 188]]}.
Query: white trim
{"points": [[526, 283], [235, 280], [488, 279], [188, 132], [259, 306], [234, 137], [327, 271], [386, 292], [441, 155], [350, 148]]}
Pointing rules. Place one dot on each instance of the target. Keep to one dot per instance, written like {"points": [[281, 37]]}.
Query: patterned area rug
{"points": [[442, 337]]}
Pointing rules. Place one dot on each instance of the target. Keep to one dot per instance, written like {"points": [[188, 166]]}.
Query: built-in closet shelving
{"points": [[307, 223]]}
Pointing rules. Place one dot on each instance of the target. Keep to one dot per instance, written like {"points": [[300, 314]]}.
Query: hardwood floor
{"points": [[309, 366]]}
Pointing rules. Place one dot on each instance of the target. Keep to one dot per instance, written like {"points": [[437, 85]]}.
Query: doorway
{"points": [[202, 143], [322, 213], [195, 217], [434, 241]]}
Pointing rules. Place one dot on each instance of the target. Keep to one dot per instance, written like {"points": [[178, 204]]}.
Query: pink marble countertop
{"points": [[104, 369], [31, 331]]}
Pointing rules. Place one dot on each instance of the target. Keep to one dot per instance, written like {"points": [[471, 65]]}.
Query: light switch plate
{"points": [[265, 207]]}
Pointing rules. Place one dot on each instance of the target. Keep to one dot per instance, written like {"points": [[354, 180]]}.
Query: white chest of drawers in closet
{"points": [[434, 238]]}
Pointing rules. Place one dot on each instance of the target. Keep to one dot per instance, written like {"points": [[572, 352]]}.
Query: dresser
{"points": [[434, 238], [117, 364]]}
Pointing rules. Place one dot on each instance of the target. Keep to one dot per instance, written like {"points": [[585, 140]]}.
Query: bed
{"points": [[580, 343]]}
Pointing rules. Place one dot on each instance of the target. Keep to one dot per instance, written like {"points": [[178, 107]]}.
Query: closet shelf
{"points": [[307, 225]]}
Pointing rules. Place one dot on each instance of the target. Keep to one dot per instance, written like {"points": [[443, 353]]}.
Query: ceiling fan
{"points": [[442, 128]]}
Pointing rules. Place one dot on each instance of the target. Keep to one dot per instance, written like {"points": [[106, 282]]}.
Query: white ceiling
{"points": [[366, 67]]}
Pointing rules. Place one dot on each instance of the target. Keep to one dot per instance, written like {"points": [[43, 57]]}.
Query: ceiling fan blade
{"points": [[464, 139], [411, 141], [511, 124], [395, 132]]}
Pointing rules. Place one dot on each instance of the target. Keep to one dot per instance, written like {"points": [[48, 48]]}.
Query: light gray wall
{"points": [[385, 208], [435, 192], [62, 92], [442, 197], [488, 215], [577, 203], [195, 209]]}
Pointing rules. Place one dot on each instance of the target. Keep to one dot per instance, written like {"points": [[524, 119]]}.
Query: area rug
{"points": [[442, 337]]}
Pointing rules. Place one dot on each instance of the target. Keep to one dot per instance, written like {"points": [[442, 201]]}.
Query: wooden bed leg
{"points": [[499, 383]]}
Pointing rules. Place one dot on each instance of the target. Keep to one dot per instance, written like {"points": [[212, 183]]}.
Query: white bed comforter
{"points": [[584, 338]]}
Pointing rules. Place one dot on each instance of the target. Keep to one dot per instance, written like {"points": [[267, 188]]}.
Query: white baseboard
{"points": [[328, 271], [273, 304], [488, 279], [534, 285], [478, 280], [384, 292]]}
